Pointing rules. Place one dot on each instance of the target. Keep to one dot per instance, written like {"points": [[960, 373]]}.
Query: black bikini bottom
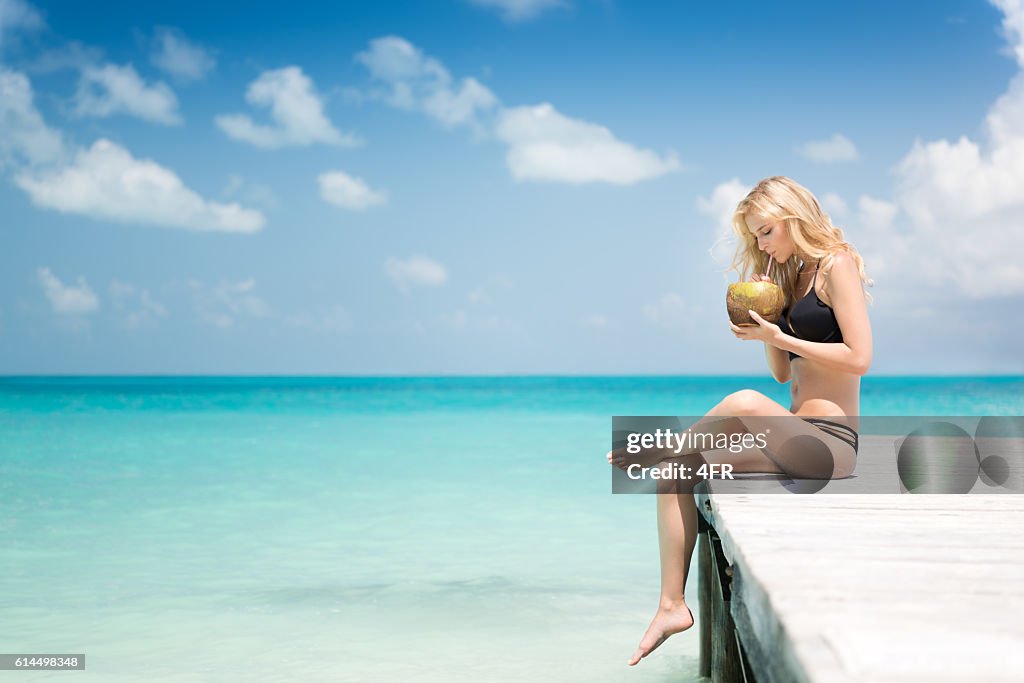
{"points": [[842, 432]]}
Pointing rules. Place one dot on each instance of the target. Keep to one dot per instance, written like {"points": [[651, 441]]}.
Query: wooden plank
{"points": [[726, 661], [769, 652], [875, 587], [706, 598]]}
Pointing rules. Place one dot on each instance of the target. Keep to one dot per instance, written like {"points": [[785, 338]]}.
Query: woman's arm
{"points": [[853, 355], [778, 360], [778, 363]]}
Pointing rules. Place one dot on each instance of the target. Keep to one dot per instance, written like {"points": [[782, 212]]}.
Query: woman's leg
{"points": [[677, 535], [677, 511], [677, 532], [751, 412]]}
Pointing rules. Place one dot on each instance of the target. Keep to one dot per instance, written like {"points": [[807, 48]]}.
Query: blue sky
{"points": [[502, 186]]}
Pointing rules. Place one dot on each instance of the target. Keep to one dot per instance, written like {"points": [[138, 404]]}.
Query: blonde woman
{"points": [[821, 344]]}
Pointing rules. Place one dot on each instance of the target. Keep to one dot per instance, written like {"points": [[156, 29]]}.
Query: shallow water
{"points": [[284, 529]]}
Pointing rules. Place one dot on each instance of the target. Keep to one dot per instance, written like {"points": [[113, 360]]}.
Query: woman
{"points": [[822, 343]]}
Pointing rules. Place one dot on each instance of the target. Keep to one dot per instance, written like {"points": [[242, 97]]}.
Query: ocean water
{"points": [[352, 529]]}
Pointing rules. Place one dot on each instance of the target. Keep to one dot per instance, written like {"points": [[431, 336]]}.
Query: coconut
{"points": [[766, 298]]}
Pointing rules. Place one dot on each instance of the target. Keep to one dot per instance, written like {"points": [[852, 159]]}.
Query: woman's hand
{"points": [[765, 331]]}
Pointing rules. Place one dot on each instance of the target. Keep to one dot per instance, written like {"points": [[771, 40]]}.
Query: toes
{"points": [[616, 459], [643, 650]]}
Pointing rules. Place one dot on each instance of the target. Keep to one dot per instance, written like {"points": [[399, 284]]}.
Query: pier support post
{"points": [[705, 594], [720, 655]]}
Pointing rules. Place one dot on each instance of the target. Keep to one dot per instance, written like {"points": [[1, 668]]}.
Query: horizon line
{"points": [[463, 375]]}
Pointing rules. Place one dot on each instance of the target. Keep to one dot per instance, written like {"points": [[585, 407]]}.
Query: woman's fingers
{"points": [[746, 333]]}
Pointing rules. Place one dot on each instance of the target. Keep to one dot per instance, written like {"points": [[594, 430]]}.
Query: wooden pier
{"points": [[831, 588]]}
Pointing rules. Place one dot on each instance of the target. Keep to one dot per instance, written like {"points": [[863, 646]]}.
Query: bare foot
{"points": [[648, 457], [670, 619], [617, 458]]}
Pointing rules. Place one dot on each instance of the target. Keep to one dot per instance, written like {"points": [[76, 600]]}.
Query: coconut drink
{"points": [[765, 298]]}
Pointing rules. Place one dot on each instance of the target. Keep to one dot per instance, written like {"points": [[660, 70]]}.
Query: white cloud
{"points": [[495, 285], [670, 312], [24, 136], [106, 182], [349, 192], [418, 271], [720, 207], [120, 291], [1013, 27], [420, 82], [70, 55], [876, 213], [137, 306], [180, 57], [335, 319], [836, 148], [478, 296], [964, 201], [394, 60], [520, 10], [545, 145], [235, 183], [454, 107], [107, 90], [296, 110], [459, 319], [597, 320], [833, 205], [67, 298], [227, 302], [941, 180], [18, 15], [251, 193]]}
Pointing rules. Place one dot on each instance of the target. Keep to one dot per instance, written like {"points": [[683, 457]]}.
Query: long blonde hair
{"points": [[779, 199]]}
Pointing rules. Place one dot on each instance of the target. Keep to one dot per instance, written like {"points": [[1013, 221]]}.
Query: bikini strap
{"points": [[815, 278]]}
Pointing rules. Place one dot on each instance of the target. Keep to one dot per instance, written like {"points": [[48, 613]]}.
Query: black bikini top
{"points": [[811, 319]]}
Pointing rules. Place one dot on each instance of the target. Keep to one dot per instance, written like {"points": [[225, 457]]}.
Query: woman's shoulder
{"points": [[838, 262]]}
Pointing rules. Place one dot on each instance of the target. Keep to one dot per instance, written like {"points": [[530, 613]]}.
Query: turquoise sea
{"points": [[350, 529]]}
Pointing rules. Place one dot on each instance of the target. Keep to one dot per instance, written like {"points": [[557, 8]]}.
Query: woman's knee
{"points": [[743, 402]]}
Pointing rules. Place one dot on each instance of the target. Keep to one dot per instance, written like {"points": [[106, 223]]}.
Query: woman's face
{"points": [[772, 238]]}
